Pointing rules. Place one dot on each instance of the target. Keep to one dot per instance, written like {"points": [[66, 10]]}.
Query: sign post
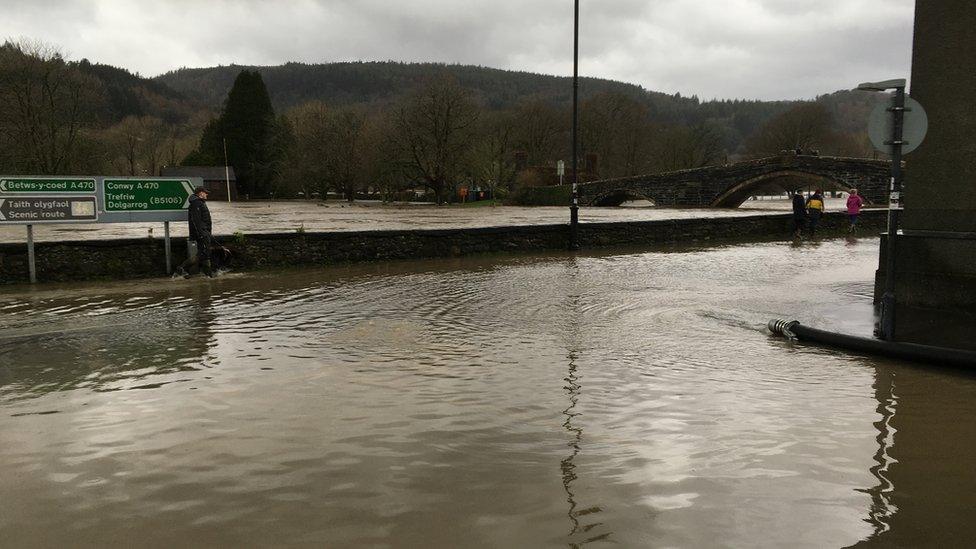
{"points": [[169, 250], [897, 129], [147, 199], [51, 208], [32, 269], [32, 200]]}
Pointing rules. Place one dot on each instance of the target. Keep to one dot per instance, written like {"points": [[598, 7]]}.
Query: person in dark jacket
{"points": [[201, 232], [799, 214]]}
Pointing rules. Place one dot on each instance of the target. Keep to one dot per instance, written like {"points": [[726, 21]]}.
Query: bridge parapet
{"points": [[730, 185]]}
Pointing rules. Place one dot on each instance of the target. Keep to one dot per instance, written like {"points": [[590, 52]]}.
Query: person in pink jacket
{"points": [[854, 204]]}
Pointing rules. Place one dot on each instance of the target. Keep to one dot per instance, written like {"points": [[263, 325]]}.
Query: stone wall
{"points": [[140, 258], [729, 186]]}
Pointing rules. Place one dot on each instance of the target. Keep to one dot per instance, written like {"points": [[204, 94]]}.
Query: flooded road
{"points": [[290, 216], [628, 399]]}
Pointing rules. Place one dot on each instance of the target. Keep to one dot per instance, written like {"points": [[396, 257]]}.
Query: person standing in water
{"points": [[854, 204], [815, 210], [201, 232]]}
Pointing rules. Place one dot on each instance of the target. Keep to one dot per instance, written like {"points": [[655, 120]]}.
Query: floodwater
{"points": [[620, 399], [290, 216]]}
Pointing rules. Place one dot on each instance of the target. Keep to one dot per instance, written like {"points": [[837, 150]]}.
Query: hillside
{"points": [[382, 82], [127, 94], [122, 113]]}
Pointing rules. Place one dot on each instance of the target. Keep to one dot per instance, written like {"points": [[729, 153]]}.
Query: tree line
{"points": [[441, 132]]}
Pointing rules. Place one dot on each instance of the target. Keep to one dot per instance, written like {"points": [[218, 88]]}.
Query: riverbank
{"points": [[145, 257]]}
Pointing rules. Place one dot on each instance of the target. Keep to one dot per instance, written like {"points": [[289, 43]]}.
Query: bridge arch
{"points": [[729, 185], [734, 196], [617, 197]]}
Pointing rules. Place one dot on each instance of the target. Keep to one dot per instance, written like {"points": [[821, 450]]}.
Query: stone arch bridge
{"points": [[731, 185]]}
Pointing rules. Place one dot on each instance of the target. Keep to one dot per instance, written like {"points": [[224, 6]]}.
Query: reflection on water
{"points": [[530, 401], [584, 521], [927, 490], [882, 509]]}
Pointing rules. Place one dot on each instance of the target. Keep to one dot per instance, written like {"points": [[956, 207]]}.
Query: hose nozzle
{"points": [[783, 327]]}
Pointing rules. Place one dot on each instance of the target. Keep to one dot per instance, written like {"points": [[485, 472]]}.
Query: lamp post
{"points": [[886, 326], [574, 204]]}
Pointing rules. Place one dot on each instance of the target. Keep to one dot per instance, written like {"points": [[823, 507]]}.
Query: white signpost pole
{"points": [[226, 170]]}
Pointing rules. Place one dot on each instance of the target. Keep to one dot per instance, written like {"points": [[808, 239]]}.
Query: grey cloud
{"points": [[770, 49]]}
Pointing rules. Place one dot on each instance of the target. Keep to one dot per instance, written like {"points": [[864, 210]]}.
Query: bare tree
{"points": [[139, 144], [345, 138], [124, 138], [541, 132], [382, 171], [44, 104], [618, 129], [305, 163], [434, 131], [805, 126], [492, 159], [682, 148]]}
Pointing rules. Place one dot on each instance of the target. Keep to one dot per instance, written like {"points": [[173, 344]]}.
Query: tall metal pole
{"points": [[31, 267], [226, 170], [887, 328], [574, 205], [169, 249]]}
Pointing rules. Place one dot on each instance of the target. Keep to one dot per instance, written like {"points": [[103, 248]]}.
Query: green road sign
{"points": [[142, 195], [46, 185]]}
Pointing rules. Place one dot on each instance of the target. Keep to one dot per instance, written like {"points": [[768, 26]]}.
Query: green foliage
{"points": [[239, 238], [247, 127]]}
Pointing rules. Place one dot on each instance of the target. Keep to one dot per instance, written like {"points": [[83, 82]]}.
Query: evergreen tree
{"points": [[248, 125]]}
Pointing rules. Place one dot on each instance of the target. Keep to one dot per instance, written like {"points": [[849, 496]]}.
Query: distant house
{"points": [[214, 179]]}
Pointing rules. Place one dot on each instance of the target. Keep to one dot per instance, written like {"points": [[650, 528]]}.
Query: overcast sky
{"points": [[756, 49]]}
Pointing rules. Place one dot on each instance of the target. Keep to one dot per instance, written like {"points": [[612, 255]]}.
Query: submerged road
{"points": [[527, 401]]}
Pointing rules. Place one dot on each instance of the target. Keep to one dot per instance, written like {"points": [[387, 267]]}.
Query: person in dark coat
{"points": [[799, 214], [201, 232]]}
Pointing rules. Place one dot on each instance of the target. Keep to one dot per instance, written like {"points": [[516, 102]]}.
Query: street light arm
{"points": [[882, 86]]}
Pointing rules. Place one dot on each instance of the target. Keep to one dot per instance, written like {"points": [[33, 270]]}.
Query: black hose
{"points": [[793, 330]]}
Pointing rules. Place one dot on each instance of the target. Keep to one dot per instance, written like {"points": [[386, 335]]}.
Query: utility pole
{"points": [[574, 205]]}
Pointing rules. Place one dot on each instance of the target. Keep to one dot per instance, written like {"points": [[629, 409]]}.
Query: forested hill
{"points": [[382, 82]]}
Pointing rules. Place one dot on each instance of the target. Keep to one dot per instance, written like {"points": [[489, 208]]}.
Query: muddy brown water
{"points": [[627, 398], [291, 216]]}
